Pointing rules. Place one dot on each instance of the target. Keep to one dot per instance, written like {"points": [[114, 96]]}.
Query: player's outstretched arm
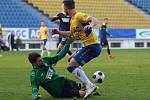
{"points": [[110, 36], [65, 50], [35, 86], [64, 33], [93, 22], [54, 18], [62, 53]]}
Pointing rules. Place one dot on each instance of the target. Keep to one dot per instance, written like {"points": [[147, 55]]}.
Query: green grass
{"points": [[127, 76]]}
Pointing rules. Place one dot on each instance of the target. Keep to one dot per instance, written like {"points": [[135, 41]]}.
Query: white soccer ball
{"points": [[98, 76]]}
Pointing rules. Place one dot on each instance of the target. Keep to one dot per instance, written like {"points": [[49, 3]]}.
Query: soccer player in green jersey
{"points": [[43, 74]]}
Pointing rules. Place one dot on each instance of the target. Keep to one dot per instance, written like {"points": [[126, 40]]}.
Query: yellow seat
{"points": [[121, 13]]}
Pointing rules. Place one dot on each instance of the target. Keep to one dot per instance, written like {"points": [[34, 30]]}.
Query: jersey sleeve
{"points": [[34, 85], [58, 14], [59, 56], [82, 17], [46, 30]]}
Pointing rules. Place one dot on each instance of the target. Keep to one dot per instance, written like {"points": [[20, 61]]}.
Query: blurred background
{"points": [[129, 21]]}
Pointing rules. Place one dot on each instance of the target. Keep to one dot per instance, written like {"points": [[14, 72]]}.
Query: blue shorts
{"points": [[44, 41], [104, 42], [87, 53]]}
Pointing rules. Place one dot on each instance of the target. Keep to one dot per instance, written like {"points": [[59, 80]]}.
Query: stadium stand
{"points": [[18, 14], [121, 13], [143, 4]]}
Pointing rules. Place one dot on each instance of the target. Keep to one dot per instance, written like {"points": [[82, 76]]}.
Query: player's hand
{"points": [[55, 31], [36, 96], [87, 27], [110, 36], [69, 39]]}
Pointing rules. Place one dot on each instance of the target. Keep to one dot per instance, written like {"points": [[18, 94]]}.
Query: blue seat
{"points": [[144, 4], [15, 13]]}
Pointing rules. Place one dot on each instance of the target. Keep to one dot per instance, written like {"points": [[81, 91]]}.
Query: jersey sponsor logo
{"points": [[49, 74], [77, 29], [65, 20]]}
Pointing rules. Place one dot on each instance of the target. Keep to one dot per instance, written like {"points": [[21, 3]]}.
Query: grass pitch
{"points": [[127, 76]]}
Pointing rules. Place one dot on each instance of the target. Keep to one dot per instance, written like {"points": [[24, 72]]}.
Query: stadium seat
{"points": [[16, 13], [121, 13], [143, 4]]}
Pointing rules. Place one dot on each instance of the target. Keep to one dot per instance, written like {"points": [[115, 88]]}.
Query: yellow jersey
{"points": [[43, 32], [77, 23]]}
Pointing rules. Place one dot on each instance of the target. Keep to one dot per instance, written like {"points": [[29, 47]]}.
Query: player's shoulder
{"points": [[60, 14], [47, 59], [45, 27], [79, 14]]}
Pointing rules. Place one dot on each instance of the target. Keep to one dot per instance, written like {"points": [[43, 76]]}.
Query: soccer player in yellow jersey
{"points": [[81, 29], [44, 37]]}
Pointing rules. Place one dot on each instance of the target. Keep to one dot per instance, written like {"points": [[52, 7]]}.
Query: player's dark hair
{"points": [[106, 18], [32, 57], [69, 4]]}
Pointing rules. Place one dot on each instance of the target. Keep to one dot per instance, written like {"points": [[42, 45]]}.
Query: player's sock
{"points": [[69, 52], [49, 53], [79, 73], [42, 53], [83, 75], [108, 51]]}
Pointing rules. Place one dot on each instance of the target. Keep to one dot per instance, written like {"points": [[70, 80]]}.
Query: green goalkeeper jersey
{"points": [[46, 77]]}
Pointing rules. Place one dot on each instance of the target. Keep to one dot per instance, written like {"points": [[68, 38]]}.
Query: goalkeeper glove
{"points": [[69, 39], [36, 96]]}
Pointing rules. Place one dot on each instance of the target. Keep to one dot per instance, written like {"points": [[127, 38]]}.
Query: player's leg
{"points": [[43, 44], [108, 49], [102, 43], [59, 46], [83, 56], [63, 42], [77, 70]]}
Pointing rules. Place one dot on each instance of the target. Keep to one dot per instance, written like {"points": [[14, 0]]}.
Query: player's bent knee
{"points": [[69, 59], [73, 62], [71, 69]]}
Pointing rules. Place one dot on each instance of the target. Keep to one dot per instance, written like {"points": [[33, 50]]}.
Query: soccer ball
{"points": [[98, 76]]}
